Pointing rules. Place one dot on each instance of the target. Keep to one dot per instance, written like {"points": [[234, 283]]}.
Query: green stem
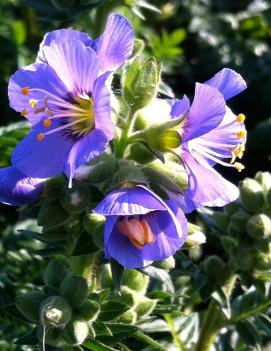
{"points": [[212, 322], [174, 332], [146, 339]]}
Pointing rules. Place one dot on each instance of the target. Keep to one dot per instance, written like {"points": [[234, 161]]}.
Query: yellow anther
{"points": [[24, 113], [238, 152], [40, 137], [241, 134], [47, 123], [240, 118], [25, 91], [238, 166], [33, 102]]}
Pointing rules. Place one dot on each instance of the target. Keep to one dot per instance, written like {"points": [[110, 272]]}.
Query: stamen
{"points": [[24, 113], [149, 236], [239, 166], [241, 134], [238, 152], [47, 123], [25, 91], [40, 137], [33, 103], [64, 127], [240, 118]]}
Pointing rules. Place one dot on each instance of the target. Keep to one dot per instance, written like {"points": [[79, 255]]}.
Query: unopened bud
{"points": [[264, 178], [76, 332], [29, 304], [129, 296], [221, 219], [251, 193], [259, 226], [141, 154], [54, 273], [55, 311], [76, 199], [228, 243], [262, 261], [141, 83], [239, 221], [128, 317], [145, 306], [166, 264], [215, 268], [196, 239], [135, 280], [243, 258], [75, 289], [106, 277], [162, 140]]}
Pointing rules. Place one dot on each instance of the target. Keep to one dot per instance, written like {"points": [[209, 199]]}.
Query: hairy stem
{"points": [[176, 338], [146, 339]]}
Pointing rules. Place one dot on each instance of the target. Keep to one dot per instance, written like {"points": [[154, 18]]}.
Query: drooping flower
{"points": [[140, 227], [65, 98], [210, 134], [16, 189]]}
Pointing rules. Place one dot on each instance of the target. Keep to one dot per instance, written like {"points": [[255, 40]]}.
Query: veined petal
{"points": [[17, 189], [63, 34], [42, 159], [206, 112], [180, 107], [84, 150], [130, 201], [206, 187], [75, 64], [228, 82], [36, 76], [116, 43], [102, 108]]}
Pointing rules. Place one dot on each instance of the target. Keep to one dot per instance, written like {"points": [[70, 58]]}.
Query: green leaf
{"points": [[111, 310], [28, 339], [101, 328], [97, 346], [120, 332], [249, 333], [117, 273], [84, 245], [12, 311], [159, 274], [52, 214]]}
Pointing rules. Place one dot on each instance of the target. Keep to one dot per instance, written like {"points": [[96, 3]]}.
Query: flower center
{"points": [[74, 117], [137, 231]]}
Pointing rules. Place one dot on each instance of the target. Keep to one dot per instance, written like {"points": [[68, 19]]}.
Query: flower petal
{"points": [[76, 65], [17, 189], [206, 187], [84, 150], [130, 201], [42, 159], [102, 108], [36, 76], [228, 82], [63, 34], [115, 45], [180, 107], [206, 112]]}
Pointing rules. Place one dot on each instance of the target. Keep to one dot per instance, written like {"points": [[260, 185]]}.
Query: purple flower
{"points": [[210, 134], [65, 98], [17, 189], [140, 227]]}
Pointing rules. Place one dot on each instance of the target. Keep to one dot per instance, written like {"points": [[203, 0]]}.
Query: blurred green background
{"points": [[193, 39]]}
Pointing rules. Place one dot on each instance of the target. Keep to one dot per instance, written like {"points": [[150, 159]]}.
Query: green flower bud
{"points": [[128, 317], [251, 193], [76, 332], [264, 178], [268, 197], [239, 221], [141, 83], [263, 245], [52, 214], [145, 306], [140, 154], [128, 174], [243, 258], [53, 187], [88, 311], [135, 280], [167, 264], [262, 261], [215, 268], [29, 304], [232, 208], [106, 277], [221, 219], [75, 289], [195, 235], [75, 200], [101, 168], [54, 273], [94, 225], [129, 296], [228, 243], [53, 336], [55, 311], [161, 139], [259, 226]]}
